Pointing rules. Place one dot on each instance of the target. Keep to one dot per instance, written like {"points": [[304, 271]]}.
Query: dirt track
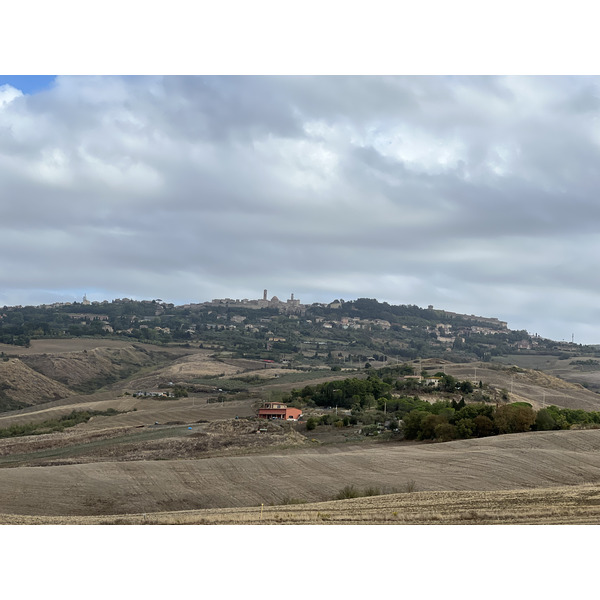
{"points": [[543, 459]]}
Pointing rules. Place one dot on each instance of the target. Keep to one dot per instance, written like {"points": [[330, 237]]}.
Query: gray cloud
{"points": [[475, 194]]}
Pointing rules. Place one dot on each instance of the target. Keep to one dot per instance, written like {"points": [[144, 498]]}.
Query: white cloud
{"points": [[8, 94], [476, 194]]}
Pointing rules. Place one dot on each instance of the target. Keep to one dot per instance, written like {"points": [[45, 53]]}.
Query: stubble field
{"points": [[573, 505]]}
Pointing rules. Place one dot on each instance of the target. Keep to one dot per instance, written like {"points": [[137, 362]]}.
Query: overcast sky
{"points": [[474, 194]]}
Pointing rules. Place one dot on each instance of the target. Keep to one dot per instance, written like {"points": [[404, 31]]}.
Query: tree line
{"points": [[445, 421]]}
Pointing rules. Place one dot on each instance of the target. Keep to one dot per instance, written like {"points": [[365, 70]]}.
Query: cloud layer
{"points": [[474, 194]]}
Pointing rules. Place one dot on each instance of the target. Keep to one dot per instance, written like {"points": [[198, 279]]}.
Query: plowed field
{"points": [[534, 460]]}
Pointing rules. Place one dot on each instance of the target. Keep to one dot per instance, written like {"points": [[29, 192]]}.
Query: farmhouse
{"points": [[276, 410], [145, 394]]}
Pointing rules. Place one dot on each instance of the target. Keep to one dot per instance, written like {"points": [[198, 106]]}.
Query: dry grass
{"points": [[147, 410], [563, 505], [198, 364], [47, 346], [152, 443], [531, 386], [311, 473], [269, 373], [25, 385]]}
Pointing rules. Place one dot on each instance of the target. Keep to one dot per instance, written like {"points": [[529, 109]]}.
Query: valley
{"points": [[169, 434]]}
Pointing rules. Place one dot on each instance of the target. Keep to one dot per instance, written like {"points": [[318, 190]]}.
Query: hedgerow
{"points": [[75, 417]]}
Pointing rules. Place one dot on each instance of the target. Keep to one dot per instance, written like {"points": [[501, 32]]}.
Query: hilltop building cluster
{"points": [[493, 324], [283, 330], [292, 306]]}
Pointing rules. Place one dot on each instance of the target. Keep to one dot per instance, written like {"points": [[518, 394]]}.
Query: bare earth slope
{"points": [[542, 459], [22, 384], [96, 366], [200, 364]]}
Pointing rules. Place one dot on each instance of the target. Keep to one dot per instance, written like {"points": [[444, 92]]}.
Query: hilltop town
{"points": [[108, 398], [339, 331]]}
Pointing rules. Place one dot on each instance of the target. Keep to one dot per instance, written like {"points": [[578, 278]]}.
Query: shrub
{"points": [[466, 387], [470, 411], [514, 419], [410, 486], [465, 428], [544, 420], [484, 426], [54, 425], [311, 423], [348, 491], [326, 420], [428, 426], [411, 424], [287, 500], [370, 430], [445, 432], [559, 417]]}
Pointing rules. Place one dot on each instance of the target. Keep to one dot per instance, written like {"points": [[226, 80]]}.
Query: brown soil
{"points": [[197, 365], [544, 459], [44, 346], [149, 442], [21, 383], [573, 505]]}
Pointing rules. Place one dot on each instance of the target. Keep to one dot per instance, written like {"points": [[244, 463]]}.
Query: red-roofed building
{"points": [[276, 410]]}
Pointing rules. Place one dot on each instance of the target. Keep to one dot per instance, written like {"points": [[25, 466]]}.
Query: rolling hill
{"points": [[520, 461]]}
